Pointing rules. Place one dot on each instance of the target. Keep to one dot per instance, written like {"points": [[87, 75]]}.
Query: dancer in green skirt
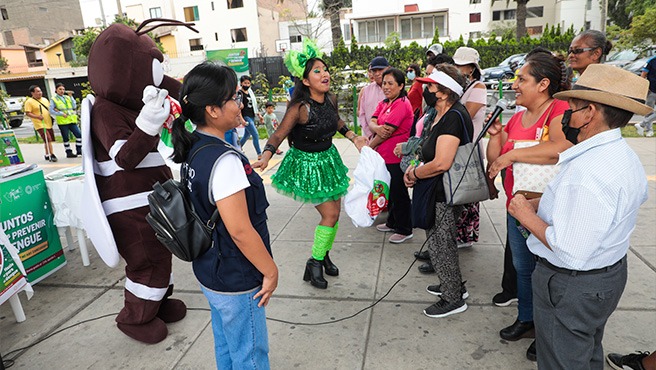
{"points": [[312, 170]]}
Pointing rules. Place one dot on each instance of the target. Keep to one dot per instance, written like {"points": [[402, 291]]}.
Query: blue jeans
{"points": [[240, 333], [524, 262], [232, 138], [251, 130]]}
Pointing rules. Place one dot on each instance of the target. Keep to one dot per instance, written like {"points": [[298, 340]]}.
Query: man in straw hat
{"points": [[580, 228]]}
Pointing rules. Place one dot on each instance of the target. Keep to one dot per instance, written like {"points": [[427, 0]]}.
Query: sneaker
{"points": [[443, 308], [436, 290], [399, 238], [70, 155], [631, 361], [383, 228], [639, 129], [650, 133], [465, 245], [504, 299], [53, 158]]}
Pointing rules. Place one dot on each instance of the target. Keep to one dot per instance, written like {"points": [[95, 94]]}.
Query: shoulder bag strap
{"points": [[38, 101], [546, 119]]}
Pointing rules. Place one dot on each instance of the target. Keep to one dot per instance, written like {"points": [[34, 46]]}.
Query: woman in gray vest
{"points": [[237, 275]]}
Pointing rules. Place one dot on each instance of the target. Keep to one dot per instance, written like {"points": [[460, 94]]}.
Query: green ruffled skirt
{"points": [[312, 177]]}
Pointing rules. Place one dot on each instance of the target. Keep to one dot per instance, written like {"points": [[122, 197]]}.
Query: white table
{"points": [[65, 190]]}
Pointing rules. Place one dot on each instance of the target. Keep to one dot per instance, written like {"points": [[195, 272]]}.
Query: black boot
{"points": [[314, 273], [329, 266], [69, 154]]}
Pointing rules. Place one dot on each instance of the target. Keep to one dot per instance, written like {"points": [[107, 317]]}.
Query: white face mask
{"points": [[410, 75]]}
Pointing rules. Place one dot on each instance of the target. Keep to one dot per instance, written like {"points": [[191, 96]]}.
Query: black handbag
{"points": [[424, 197]]}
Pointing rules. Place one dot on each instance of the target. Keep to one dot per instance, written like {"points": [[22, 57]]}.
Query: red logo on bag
{"points": [[378, 198]]}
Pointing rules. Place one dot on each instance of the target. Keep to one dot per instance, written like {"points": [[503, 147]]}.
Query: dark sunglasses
{"points": [[579, 50], [567, 115]]}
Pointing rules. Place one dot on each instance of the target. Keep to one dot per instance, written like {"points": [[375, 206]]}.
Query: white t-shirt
{"points": [[228, 177]]}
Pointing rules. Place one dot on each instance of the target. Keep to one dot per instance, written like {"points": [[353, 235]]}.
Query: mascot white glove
{"points": [[155, 111]]}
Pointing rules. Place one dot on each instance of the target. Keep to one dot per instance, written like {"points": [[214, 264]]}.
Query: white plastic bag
{"points": [[370, 194]]}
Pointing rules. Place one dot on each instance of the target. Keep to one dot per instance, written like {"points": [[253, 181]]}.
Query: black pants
{"points": [[509, 279], [400, 216]]}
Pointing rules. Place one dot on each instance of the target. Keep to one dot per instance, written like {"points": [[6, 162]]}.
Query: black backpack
{"points": [[175, 221]]}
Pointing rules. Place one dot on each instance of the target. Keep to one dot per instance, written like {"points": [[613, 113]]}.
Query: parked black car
{"points": [[504, 71]]}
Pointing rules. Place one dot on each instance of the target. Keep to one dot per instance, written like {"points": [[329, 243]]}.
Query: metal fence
{"points": [[272, 67]]}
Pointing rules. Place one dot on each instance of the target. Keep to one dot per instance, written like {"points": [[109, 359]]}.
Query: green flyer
{"points": [[27, 218], [12, 279], [236, 59], [10, 152]]}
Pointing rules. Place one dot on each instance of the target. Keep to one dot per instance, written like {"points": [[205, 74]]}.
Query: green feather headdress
{"points": [[295, 61]]}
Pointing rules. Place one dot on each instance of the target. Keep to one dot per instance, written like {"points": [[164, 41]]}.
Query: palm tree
{"points": [[331, 9], [520, 16]]}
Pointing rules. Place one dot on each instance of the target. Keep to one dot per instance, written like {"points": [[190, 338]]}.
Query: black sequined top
{"points": [[316, 135]]}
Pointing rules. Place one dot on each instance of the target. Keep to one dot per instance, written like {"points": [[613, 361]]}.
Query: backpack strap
{"points": [[216, 217]]}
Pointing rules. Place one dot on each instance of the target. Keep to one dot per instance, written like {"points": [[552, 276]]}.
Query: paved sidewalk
{"points": [[393, 335]]}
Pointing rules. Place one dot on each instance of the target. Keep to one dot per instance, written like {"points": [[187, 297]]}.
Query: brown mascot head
{"points": [[122, 62]]}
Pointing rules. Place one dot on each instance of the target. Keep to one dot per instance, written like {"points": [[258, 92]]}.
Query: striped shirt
{"points": [[591, 206]]}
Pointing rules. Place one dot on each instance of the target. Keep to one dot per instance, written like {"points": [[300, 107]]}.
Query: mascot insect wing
{"points": [[130, 107]]}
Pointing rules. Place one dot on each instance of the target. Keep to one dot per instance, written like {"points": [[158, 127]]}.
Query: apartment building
{"points": [[372, 21]]}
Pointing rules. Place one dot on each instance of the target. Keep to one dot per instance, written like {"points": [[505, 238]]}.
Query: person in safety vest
{"points": [[63, 108]]}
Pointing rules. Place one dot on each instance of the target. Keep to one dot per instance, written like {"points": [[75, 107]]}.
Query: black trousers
{"points": [[509, 278], [400, 216]]}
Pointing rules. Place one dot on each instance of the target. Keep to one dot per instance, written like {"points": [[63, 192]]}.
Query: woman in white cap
{"points": [[581, 226], [450, 128]]}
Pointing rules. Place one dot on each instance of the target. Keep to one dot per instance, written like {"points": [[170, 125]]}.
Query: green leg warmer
{"points": [[332, 236], [323, 241]]}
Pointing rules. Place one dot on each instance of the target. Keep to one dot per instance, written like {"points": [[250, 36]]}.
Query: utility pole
{"points": [[118, 5], [102, 13]]}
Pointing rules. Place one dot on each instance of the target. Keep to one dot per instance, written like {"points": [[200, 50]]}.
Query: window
{"points": [[298, 31], [474, 1], [191, 13], [239, 34], [9, 38], [474, 17], [496, 15], [33, 58], [195, 44], [156, 12], [375, 30], [5, 15], [346, 32], [235, 4], [509, 14], [67, 47], [422, 27], [535, 12], [475, 35], [535, 30]]}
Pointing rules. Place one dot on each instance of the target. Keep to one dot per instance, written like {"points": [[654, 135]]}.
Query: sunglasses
{"points": [[579, 50]]}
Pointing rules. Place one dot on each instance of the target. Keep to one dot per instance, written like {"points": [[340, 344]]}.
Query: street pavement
{"points": [[70, 320]]}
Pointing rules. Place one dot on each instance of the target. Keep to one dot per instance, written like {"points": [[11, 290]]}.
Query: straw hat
{"points": [[465, 55], [611, 86]]}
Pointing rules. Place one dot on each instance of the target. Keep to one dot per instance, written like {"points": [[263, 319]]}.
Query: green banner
{"points": [[236, 59], [10, 152], [28, 220], [11, 278]]}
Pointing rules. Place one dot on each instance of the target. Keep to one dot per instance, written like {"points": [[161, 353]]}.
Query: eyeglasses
{"points": [[237, 99], [579, 50]]}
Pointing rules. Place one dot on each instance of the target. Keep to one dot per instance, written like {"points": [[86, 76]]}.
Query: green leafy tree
{"points": [[436, 36], [4, 64], [643, 27], [520, 16]]}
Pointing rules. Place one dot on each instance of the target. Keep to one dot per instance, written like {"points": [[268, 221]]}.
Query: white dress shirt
{"points": [[591, 206]]}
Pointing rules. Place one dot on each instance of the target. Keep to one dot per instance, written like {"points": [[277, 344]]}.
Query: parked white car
{"points": [[14, 111]]}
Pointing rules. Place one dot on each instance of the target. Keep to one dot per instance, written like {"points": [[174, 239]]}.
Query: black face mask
{"points": [[245, 88], [571, 133], [429, 98]]}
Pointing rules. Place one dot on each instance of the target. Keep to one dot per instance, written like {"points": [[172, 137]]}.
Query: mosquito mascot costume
{"points": [[130, 108]]}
